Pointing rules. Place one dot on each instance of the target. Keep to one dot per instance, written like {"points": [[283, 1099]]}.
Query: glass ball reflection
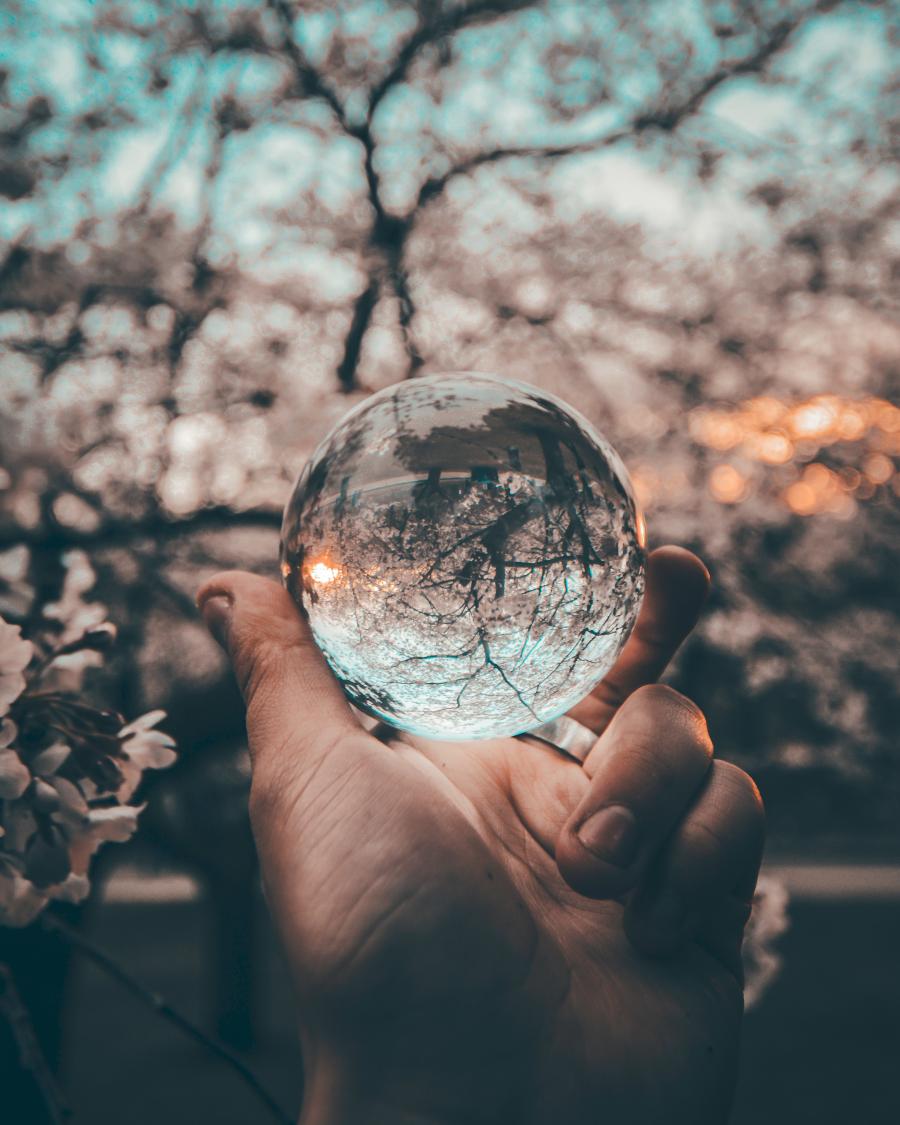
{"points": [[470, 555]]}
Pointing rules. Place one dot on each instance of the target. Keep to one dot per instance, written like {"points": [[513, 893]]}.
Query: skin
{"points": [[460, 953]]}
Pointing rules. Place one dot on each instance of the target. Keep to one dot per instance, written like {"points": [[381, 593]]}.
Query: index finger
{"points": [[677, 587]]}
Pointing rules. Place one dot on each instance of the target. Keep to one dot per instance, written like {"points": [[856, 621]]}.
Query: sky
{"points": [[494, 92]]}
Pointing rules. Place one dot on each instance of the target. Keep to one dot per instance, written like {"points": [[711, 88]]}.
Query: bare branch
{"points": [[400, 282], [435, 185], [157, 1004], [359, 324], [309, 80], [156, 526], [30, 1054], [664, 117], [447, 23]]}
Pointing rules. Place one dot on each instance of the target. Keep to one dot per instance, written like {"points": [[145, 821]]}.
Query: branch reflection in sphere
{"points": [[469, 553]]}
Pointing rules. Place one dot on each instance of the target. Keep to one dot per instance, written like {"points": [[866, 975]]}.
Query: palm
{"points": [[454, 916]]}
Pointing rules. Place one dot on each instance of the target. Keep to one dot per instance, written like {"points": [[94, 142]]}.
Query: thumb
{"points": [[296, 711]]}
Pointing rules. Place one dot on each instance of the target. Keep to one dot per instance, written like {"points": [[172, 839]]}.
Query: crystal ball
{"points": [[469, 553]]}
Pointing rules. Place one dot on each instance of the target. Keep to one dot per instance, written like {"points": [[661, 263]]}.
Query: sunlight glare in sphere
{"points": [[322, 572], [469, 554]]}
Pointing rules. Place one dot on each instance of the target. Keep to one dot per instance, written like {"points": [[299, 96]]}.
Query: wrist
{"points": [[342, 1091]]}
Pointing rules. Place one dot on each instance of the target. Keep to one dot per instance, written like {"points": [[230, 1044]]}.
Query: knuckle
{"points": [[662, 698], [704, 844], [681, 722], [662, 738], [740, 791]]}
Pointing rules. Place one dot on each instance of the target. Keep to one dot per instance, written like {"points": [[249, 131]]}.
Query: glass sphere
{"points": [[469, 553]]}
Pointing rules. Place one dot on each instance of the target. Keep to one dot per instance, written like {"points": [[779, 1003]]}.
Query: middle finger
{"points": [[644, 770]]}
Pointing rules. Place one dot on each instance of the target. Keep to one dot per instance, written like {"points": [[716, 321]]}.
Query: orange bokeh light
{"points": [[727, 484], [775, 432], [878, 468]]}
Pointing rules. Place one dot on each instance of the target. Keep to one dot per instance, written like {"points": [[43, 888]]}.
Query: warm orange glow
{"points": [[801, 498], [878, 468], [645, 485], [852, 424], [775, 432], [719, 430], [815, 418], [323, 573], [772, 448], [641, 530], [887, 416], [727, 485], [823, 490], [765, 410]]}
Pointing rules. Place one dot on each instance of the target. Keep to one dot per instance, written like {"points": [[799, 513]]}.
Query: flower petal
{"points": [[151, 753], [49, 760], [142, 723], [73, 889], [21, 902], [70, 796], [14, 775], [47, 860], [15, 652], [116, 823], [20, 826], [15, 655]]}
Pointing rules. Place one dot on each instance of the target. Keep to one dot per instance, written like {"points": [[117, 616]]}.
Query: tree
{"points": [[225, 219]]}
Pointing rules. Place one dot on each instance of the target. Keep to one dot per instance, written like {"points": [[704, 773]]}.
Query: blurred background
{"points": [[225, 222]]}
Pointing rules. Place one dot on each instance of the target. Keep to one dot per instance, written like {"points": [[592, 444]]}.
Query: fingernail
{"points": [[612, 835], [216, 612]]}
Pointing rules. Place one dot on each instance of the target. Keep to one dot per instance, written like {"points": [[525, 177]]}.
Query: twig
{"points": [[157, 1004], [30, 1053], [156, 526]]}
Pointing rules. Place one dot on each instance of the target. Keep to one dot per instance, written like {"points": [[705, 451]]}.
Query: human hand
{"points": [[459, 951]]}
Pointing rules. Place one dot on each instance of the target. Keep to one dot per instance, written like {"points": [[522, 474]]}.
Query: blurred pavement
{"points": [[822, 1046]]}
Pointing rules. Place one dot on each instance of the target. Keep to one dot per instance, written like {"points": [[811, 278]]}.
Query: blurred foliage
{"points": [[228, 221]]}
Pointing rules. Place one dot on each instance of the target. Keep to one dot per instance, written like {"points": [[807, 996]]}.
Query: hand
{"points": [[489, 932]]}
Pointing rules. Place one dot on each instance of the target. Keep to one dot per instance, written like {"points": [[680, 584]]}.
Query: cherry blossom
{"points": [[68, 769]]}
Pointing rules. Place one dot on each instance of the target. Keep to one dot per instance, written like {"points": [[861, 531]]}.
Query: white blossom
{"points": [[145, 748], [14, 774], [77, 617], [16, 595], [15, 656], [20, 900], [55, 809]]}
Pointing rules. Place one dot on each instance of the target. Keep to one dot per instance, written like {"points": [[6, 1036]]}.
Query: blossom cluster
{"points": [[68, 770]]}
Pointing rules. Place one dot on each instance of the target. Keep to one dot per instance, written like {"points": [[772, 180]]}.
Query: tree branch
{"points": [[309, 80], [30, 1053], [400, 282], [447, 23], [663, 117], [165, 1010], [359, 324], [156, 526], [435, 185]]}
